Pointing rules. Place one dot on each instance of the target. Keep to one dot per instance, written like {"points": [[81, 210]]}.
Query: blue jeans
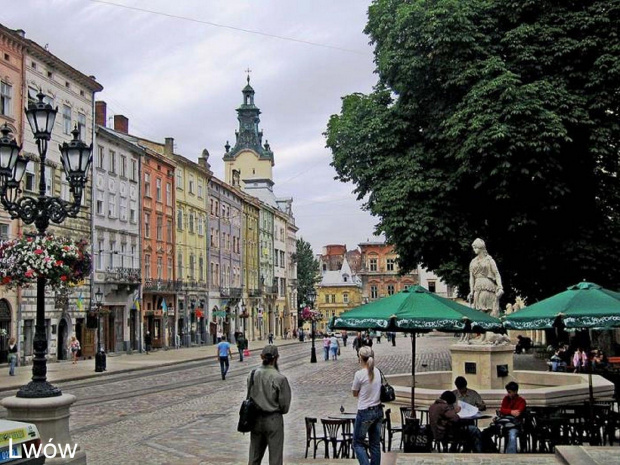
{"points": [[224, 365], [12, 363], [368, 421], [326, 352], [511, 447]]}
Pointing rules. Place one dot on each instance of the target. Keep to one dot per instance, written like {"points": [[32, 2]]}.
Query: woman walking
{"points": [[74, 345], [367, 388], [12, 356]]}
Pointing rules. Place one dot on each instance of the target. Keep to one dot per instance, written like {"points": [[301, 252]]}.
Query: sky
{"points": [[176, 69]]}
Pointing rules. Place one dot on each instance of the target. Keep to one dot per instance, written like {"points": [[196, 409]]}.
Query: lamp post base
{"points": [[38, 390], [313, 355], [100, 361]]}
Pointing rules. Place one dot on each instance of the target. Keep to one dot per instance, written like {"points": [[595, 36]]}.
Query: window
{"points": [[191, 184], [180, 266], [275, 259], [200, 225], [191, 266], [112, 167], [200, 190], [123, 167], [30, 179], [372, 264], [147, 225], [147, 267], [326, 298], [66, 119], [282, 259], [333, 298], [133, 255], [201, 269], [81, 124], [180, 219], [100, 156], [6, 96], [169, 267], [147, 184], [133, 213], [158, 189], [191, 222], [28, 334], [179, 180], [345, 298], [134, 170], [122, 209], [49, 181], [390, 289], [373, 292], [112, 252], [99, 203], [112, 206], [390, 264], [4, 231], [432, 287], [169, 230], [160, 267], [123, 253], [159, 228], [168, 193], [211, 205]]}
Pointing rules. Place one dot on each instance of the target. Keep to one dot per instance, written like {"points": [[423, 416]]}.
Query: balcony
{"points": [[255, 293], [231, 292], [160, 285], [122, 275], [270, 289], [191, 285]]}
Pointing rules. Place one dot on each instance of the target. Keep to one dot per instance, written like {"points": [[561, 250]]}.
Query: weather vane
{"points": [[248, 71]]}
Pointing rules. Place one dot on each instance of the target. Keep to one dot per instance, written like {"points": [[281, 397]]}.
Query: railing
{"points": [[160, 285], [191, 285], [255, 293], [123, 275], [234, 292], [271, 289]]}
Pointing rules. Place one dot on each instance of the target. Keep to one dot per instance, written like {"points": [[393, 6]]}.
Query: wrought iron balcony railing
{"points": [[123, 275]]}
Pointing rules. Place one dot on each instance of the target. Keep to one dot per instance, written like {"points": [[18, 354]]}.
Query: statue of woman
{"points": [[485, 283]]}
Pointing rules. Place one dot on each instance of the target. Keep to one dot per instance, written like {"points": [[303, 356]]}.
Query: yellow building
{"points": [[251, 282], [337, 292]]}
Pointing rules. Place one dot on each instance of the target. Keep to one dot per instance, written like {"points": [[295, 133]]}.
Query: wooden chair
{"points": [[338, 434], [391, 430], [311, 435], [405, 414]]}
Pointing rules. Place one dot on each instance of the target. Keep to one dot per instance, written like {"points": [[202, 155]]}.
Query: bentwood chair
{"points": [[338, 434], [311, 436]]}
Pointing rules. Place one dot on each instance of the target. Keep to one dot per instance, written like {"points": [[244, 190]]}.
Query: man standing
{"points": [[223, 352], [357, 342], [148, 341], [272, 394], [241, 341], [466, 395]]}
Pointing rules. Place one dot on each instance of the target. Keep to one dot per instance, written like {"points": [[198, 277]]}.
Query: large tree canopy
{"points": [[495, 119], [308, 270]]}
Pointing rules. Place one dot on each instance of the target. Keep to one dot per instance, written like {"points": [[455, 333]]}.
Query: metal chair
{"points": [[405, 414], [311, 435]]}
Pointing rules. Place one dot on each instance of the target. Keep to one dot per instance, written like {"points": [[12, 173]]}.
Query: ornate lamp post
{"points": [[40, 210], [311, 297], [100, 358]]}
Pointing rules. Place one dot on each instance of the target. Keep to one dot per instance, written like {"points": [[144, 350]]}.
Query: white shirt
{"points": [[369, 393]]}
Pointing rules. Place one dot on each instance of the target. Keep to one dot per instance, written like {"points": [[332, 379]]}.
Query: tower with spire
{"points": [[249, 158]]}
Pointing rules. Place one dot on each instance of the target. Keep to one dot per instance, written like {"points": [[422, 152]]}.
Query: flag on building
{"points": [[164, 307], [80, 302], [136, 304]]}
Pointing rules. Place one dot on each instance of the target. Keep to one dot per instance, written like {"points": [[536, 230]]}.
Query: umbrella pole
{"points": [[413, 342]]}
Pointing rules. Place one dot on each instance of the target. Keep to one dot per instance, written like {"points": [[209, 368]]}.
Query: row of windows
{"points": [[112, 211], [191, 185], [373, 264], [158, 189], [113, 256], [50, 75], [331, 298], [279, 256], [67, 121], [117, 164], [193, 223], [159, 228]]}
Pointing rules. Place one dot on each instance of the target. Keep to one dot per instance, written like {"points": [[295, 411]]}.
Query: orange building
{"points": [[379, 271]]}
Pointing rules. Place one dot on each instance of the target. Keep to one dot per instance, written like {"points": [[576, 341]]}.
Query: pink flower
{"points": [[38, 251], [63, 277], [29, 274], [59, 262]]}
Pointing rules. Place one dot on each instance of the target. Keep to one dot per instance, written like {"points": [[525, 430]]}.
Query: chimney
{"points": [[169, 147], [121, 124], [101, 113]]}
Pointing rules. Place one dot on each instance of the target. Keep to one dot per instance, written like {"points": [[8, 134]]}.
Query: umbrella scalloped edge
{"points": [[611, 321]]}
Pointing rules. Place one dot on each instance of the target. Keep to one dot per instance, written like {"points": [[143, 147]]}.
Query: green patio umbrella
{"points": [[415, 310], [582, 306]]}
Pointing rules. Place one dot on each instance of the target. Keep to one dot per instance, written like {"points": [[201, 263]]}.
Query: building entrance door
{"points": [[63, 335]]}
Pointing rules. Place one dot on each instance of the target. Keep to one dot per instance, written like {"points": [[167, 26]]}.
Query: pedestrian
{"points": [[367, 388], [334, 347], [223, 352], [357, 343], [241, 345], [74, 346], [393, 339], [147, 342], [344, 338], [580, 360], [270, 338], [378, 335], [326, 343], [271, 392], [469, 396], [367, 341], [12, 356], [444, 420]]}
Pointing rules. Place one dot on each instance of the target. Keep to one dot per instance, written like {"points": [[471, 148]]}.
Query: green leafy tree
{"points": [[308, 270], [495, 119]]}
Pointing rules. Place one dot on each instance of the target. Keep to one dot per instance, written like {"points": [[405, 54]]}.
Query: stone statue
{"points": [[485, 283], [509, 309]]}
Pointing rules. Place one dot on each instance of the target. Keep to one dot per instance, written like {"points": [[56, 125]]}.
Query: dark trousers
{"points": [[267, 432], [224, 365]]}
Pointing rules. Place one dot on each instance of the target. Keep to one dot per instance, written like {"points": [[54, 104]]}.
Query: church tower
{"points": [[249, 161]]}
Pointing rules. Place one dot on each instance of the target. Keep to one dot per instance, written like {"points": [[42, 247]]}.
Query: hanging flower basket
{"points": [[308, 314], [62, 261]]}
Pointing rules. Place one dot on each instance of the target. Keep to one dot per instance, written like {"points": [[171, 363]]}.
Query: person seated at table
{"points": [[469, 396], [557, 364], [513, 406], [444, 419], [599, 360], [523, 344]]}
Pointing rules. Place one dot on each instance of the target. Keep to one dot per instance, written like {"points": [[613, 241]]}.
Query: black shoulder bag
{"points": [[248, 411], [387, 391]]}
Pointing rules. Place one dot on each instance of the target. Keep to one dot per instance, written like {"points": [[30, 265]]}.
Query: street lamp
{"points": [[40, 210], [311, 297], [100, 359]]}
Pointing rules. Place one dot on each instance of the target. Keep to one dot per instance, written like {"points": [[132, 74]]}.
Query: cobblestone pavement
{"points": [[141, 419]]}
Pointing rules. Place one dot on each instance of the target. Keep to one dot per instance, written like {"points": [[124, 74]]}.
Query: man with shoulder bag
{"points": [[271, 392]]}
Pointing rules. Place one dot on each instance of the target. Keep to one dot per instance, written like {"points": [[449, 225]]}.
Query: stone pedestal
{"points": [[479, 365], [51, 416]]}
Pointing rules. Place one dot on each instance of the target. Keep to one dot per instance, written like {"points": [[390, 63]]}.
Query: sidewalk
{"points": [[121, 363]]}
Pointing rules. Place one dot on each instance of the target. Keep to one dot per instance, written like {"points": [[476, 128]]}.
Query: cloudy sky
{"points": [[176, 69]]}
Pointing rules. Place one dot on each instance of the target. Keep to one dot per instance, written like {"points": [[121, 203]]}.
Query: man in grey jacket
{"points": [[272, 394]]}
